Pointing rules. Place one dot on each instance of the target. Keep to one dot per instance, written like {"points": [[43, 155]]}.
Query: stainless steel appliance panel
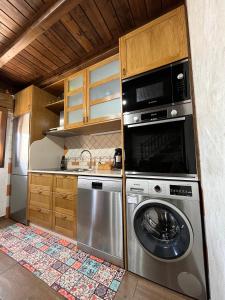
{"points": [[18, 199], [184, 273], [20, 144], [99, 228]]}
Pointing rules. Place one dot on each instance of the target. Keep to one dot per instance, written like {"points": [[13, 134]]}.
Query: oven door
{"points": [[147, 90], [160, 148]]}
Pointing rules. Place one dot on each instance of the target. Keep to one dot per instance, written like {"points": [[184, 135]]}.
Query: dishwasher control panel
{"points": [[96, 185]]}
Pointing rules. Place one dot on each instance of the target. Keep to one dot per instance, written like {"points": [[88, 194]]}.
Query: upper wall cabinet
{"points": [[93, 95], [103, 90], [160, 42], [23, 102], [75, 94]]}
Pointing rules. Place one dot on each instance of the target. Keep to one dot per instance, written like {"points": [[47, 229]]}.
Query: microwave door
{"points": [[148, 90]]}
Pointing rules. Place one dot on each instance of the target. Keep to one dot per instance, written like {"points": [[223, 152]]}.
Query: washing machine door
{"points": [[163, 230]]}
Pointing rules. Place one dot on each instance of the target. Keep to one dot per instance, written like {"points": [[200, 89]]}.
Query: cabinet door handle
{"points": [[124, 71]]}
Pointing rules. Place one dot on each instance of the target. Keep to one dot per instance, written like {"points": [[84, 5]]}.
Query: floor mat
{"points": [[68, 270]]}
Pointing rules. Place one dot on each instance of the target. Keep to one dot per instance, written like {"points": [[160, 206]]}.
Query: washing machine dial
{"points": [[157, 188], [173, 112]]}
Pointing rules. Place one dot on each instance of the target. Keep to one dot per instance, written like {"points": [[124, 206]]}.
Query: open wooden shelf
{"points": [[111, 125], [56, 107]]}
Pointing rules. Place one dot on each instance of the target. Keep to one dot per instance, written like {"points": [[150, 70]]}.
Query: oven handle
{"points": [[157, 122]]}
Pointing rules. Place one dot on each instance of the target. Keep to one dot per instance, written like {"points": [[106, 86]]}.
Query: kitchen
{"points": [[107, 149]]}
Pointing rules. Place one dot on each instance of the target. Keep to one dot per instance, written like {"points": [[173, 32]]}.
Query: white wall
{"points": [[207, 38]]}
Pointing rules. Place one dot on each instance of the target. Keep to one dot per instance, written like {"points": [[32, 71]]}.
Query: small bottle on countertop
{"points": [[118, 158], [63, 163]]}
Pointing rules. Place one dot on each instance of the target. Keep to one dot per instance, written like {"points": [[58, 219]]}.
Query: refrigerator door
{"points": [[18, 199], [20, 145]]}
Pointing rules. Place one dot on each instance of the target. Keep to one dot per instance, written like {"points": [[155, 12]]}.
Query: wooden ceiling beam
{"points": [[42, 22]]}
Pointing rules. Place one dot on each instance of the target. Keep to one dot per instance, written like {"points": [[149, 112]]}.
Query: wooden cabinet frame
{"points": [[85, 89], [68, 93], [99, 83]]}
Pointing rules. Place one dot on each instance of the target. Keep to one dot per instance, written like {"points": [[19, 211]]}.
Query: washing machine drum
{"points": [[163, 230]]}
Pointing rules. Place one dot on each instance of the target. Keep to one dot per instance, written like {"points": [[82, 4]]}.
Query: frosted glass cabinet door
{"points": [[105, 71], [75, 83], [105, 90], [75, 116], [75, 99], [106, 109]]}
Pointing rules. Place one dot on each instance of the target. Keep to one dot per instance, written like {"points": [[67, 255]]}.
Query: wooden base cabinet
{"points": [[40, 216], [64, 224], [52, 202]]}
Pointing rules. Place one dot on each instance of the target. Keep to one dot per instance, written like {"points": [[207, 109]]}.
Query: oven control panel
{"points": [[181, 190]]}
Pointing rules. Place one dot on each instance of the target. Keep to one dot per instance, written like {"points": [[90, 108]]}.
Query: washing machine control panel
{"points": [[181, 190]]}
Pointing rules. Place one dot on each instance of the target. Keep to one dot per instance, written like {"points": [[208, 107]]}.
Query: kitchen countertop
{"points": [[104, 173]]}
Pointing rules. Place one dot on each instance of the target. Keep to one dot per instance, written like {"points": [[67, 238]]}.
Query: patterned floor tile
{"points": [[50, 276], [84, 288], [69, 279], [105, 275], [71, 272], [89, 267]]}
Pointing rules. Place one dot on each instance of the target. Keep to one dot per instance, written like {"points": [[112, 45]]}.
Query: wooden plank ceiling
{"points": [[40, 40]]}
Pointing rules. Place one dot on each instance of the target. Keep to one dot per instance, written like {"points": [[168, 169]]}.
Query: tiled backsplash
{"points": [[101, 146]]}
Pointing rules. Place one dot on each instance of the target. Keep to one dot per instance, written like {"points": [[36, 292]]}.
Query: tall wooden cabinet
{"points": [[160, 42], [33, 100], [23, 101]]}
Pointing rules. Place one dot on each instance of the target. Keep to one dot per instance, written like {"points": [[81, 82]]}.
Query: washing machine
{"points": [[164, 234]]}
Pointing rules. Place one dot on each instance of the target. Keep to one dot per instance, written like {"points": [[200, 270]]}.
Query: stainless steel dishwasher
{"points": [[99, 218]]}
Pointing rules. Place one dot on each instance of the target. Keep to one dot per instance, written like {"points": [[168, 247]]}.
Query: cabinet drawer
{"points": [[64, 224], [40, 216], [40, 196], [64, 183], [41, 179], [64, 203]]}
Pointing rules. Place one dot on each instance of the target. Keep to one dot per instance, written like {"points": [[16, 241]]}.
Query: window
{"points": [[3, 125]]}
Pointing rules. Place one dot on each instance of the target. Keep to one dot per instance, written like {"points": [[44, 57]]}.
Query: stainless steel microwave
{"points": [[164, 86]]}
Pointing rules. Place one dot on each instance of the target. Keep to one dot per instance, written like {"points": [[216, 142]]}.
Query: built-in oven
{"points": [[160, 142], [164, 86]]}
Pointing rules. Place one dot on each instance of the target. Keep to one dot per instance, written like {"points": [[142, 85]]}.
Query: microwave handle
{"points": [[157, 122]]}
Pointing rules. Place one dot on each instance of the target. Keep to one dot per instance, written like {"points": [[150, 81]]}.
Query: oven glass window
{"points": [[160, 148]]}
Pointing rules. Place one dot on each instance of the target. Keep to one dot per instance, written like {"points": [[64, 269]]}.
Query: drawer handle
{"points": [[40, 192], [64, 218], [64, 197], [39, 210]]}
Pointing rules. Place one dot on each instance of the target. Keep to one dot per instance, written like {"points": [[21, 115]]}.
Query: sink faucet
{"points": [[90, 163]]}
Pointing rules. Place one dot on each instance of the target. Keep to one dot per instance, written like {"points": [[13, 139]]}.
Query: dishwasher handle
{"points": [[96, 185]]}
